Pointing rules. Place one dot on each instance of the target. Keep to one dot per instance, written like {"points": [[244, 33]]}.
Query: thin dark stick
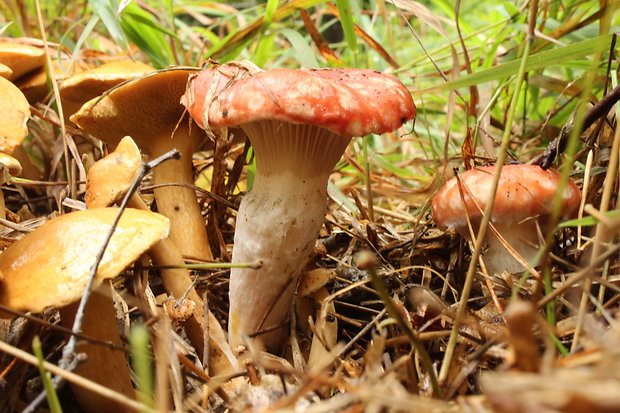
{"points": [[195, 188], [361, 333], [69, 361]]}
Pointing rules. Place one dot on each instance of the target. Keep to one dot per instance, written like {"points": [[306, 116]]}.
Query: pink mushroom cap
{"points": [[349, 102], [524, 191]]}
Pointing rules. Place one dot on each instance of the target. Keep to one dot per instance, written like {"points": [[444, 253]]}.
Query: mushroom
{"points": [[21, 58], [35, 85], [148, 110], [50, 267], [110, 177], [108, 181], [84, 86], [9, 167], [299, 123], [523, 200]]}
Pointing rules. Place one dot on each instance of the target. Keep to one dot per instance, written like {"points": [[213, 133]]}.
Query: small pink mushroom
{"points": [[523, 200]]}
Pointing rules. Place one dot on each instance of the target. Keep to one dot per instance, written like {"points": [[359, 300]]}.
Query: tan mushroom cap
{"points": [[50, 266], [88, 84], [21, 58], [35, 85], [348, 102], [15, 111], [5, 71], [524, 191], [141, 108], [110, 177]]}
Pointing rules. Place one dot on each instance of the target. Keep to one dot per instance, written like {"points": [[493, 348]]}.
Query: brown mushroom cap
{"points": [[20, 58], [110, 177], [50, 266], [349, 102], [523, 191], [15, 111], [5, 71]]}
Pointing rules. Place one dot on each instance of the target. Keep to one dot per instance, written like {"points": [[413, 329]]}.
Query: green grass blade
{"points": [[241, 36], [346, 19], [142, 361], [46, 378], [266, 41], [590, 220], [148, 35], [106, 10], [302, 51], [337, 194], [535, 62], [404, 173], [145, 20], [85, 33], [270, 9], [558, 344], [4, 27], [263, 50]]}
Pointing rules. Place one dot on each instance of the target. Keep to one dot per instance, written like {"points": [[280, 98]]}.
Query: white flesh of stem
{"points": [[522, 237], [278, 222]]}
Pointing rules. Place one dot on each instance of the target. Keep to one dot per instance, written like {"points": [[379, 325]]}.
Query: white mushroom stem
{"points": [[522, 237], [187, 227], [278, 222]]}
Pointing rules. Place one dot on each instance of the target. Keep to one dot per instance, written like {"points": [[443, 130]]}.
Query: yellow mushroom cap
{"points": [[21, 58], [110, 177], [15, 111], [5, 71], [50, 266]]}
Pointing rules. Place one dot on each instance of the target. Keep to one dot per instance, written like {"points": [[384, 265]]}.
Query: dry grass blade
{"points": [[319, 40]]}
